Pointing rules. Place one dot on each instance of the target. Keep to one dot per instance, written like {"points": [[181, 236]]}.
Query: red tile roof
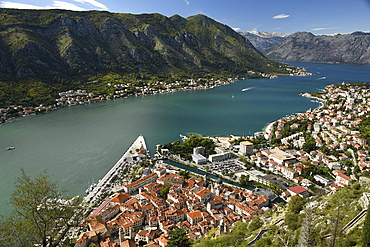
{"points": [[297, 189]]}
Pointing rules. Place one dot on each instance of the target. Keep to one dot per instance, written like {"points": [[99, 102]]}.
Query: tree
{"points": [[166, 188], [244, 179], [292, 220], [184, 173], [305, 238], [366, 229], [335, 230], [296, 204], [40, 215], [255, 224], [179, 238]]}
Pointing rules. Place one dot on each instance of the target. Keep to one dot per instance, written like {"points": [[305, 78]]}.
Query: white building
{"points": [[325, 181], [246, 147], [219, 157], [199, 159]]}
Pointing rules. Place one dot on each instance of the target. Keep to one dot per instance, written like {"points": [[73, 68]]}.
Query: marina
{"points": [[137, 149]]}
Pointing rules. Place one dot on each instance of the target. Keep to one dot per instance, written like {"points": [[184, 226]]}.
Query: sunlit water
{"points": [[78, 145]]}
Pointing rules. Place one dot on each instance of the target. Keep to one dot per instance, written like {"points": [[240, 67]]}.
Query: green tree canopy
{"points": [[366, 230], [164, 192], [40, 215], [296, 204], [179, 238], [186, 148]]}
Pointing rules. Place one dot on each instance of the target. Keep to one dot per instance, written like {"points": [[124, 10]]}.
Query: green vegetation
{"points": [[244, 179], [185, 174], [366, 229], [306, 222], [186, 148], [179, 238], [41, 213], [364, 128], [49, 54], [164, 192], [235, 238]]}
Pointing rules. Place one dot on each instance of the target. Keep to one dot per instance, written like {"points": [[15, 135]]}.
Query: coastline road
{"points": [[139, 144]]}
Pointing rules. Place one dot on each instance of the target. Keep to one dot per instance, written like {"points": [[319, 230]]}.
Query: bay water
{"points": [[78, 145]]}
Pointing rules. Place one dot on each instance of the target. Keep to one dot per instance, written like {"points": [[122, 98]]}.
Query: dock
{"points": [[138, 148]]}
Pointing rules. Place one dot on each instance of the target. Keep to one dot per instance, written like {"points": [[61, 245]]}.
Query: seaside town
{"points": [[142, 199], [80, 97], [125, 90]]}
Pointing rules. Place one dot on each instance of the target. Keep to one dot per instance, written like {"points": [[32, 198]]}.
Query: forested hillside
{"points": [[46, 51]]}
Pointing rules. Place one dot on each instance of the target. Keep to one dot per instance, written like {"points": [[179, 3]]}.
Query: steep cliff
{"points": [[47, 43], [351, 48], [263, 40]]}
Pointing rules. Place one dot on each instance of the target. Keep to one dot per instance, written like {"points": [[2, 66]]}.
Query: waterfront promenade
{"points": [[138, 145]]}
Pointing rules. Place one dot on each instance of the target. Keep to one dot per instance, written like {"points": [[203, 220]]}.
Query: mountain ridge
{"points": [[36, 43], [351, 48], [263, 40]]}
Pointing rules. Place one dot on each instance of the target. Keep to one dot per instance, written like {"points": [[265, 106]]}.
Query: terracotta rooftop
{"points": [[297, 189]]}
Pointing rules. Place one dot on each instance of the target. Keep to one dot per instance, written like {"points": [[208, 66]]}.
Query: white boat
{"points": [[247, 89], [11, 147]]}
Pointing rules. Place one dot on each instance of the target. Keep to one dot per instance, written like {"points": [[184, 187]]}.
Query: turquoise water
{"points": [[80, 144]]}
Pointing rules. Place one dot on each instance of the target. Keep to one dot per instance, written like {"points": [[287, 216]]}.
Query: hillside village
{"points": [[320, 150], [327, 140]]}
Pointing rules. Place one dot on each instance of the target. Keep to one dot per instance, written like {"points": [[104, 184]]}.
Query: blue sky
{"points": [[286, 16]]}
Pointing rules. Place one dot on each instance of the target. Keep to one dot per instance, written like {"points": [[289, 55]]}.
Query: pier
{"points": [[138, 148]]}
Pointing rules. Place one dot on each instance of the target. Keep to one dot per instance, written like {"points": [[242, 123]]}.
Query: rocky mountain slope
{"points": [[39, 43], [263, 40], [351, 48]]}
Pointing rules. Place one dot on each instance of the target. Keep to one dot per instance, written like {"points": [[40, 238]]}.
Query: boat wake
{"points": [[247, 89], [321, 78]]}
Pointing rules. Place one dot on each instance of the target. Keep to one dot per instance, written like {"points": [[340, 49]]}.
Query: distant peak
{"points": [[360, 33], [265, 34]]}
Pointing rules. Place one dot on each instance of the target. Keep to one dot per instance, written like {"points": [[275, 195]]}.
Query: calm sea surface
{"points": [[78, 145]]}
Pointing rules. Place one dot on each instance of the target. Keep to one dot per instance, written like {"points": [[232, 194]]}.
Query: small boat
{"points": [[11, 147], [247, 89]]}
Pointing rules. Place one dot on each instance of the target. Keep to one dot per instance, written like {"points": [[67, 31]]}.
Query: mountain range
{"points": [[46, 43], [351, 48], [263, 40]]}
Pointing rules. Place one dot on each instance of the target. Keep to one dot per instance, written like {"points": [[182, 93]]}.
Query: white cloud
{"points": [[322, 28], [187, 2], [56, 5], [236, 28], [65, 5], [281, 16], [12, 5], [93, 3]]}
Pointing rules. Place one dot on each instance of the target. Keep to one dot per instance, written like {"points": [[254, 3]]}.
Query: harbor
{"points": [[137, 149], [95, 136]]}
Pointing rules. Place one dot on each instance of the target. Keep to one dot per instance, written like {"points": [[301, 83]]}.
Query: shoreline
{"points": [[41, 109], [34, 111], [269, 127], [97, 191]]}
